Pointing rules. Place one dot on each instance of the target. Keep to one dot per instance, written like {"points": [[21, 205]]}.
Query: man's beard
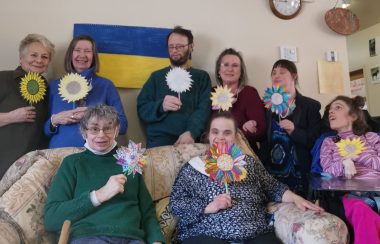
{"points": [[181, 61]]}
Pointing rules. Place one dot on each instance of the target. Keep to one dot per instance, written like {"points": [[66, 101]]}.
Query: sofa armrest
{"points": [[293, 225]]}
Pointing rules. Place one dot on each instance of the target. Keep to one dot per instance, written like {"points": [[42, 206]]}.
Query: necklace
{"points": [[289, 109]]}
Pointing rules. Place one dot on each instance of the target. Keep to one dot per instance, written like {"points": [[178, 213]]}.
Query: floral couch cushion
{"points": [[166, 219], [23, 201]]}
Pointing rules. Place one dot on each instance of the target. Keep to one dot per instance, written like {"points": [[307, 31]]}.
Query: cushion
{"points": [[163, 164], [166, 219], [10, 231], [23, 202], [292, 225]]}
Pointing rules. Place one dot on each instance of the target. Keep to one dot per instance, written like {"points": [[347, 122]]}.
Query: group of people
{"points": [[108, 207]]}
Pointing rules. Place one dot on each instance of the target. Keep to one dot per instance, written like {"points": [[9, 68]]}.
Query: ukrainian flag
{"points": [[128, 54]]}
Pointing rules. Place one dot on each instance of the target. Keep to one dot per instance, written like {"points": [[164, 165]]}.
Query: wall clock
{"points": [[285, 9]]}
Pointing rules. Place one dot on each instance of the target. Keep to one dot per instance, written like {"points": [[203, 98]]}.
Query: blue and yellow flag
{"points": [[128, 54]]}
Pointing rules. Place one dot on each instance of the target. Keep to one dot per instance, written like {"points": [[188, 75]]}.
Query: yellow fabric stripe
{"points": [[129, 71]]}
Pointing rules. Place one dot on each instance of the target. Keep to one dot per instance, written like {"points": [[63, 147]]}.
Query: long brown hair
{"points": [[359, 126]]}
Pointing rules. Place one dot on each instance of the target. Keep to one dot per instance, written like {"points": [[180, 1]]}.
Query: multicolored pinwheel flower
{"points": [[225, 164], [73, 87], [276, 99], [179, 80], [222, 98], [32, 87], [131, 158], [349, 147]]}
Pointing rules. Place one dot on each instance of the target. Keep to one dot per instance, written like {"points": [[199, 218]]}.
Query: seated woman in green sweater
{"points": [[90, 190]]}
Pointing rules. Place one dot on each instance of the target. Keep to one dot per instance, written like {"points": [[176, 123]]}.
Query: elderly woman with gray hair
{"points": [[24, 111], [91, 191]]}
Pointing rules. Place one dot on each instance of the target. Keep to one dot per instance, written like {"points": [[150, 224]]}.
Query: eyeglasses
{"points": [[178, 47], [96, 130], [228, 65]]}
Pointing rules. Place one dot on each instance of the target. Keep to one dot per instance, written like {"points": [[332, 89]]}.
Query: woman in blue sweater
{"points": [[63, 124]]}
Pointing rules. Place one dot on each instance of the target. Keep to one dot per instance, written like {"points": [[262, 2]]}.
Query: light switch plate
{"points": [[289, 53]]}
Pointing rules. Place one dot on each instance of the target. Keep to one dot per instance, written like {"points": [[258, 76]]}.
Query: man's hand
{"points": [[185, 138], [171, 103]]}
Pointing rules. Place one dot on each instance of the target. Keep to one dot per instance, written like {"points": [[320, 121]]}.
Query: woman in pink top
{"points": [[347, 118]]}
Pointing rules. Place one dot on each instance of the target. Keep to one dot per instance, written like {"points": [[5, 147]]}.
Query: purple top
{"points": [[367, 164]]}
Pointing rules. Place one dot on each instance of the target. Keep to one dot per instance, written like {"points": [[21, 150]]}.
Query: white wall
{"points": [[247, 25], [358, 56]]}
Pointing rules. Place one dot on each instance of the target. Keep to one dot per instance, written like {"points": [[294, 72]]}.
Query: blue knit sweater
{"points": [[103, 91]]}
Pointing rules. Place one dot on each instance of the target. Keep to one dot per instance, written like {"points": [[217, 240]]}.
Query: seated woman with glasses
{"points": [[248, 109], [90, 190], [342, 156]]}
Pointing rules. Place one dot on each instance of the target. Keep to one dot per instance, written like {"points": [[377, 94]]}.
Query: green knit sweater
{"points": [[165, 127], [130, 214]]}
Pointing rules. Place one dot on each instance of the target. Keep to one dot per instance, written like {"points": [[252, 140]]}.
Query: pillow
{"points": [[166, 219], [292, 225], [17, 169]]}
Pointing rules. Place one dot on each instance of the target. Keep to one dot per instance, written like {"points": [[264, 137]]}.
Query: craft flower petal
{"points": [[222, 98], [225, 163], [73, 87], [131, 158], [276, 99], [179, 80], [349, 147], [33, 87]]}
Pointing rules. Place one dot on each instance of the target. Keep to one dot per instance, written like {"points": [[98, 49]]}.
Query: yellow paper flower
{"points": [[349, 147], [32, 87], [73, 87], [222, 98]]}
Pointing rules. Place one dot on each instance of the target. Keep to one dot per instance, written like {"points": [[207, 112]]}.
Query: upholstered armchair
{"points": [[24, 188]]}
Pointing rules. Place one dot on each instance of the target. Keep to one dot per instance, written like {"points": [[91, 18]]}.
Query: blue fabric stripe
{"points": [[129, 40]]}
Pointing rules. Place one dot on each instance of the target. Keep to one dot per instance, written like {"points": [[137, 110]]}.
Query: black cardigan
{"points": [[307, 125]]}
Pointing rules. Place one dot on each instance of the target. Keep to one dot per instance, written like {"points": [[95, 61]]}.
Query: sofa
{"points": [[24, 187]]}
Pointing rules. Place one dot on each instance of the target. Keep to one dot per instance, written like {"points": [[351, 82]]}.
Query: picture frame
{"points": [[372, 47], [375, 74]]}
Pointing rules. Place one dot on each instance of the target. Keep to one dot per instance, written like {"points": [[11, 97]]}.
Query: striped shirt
{"points": [[367, 163]]}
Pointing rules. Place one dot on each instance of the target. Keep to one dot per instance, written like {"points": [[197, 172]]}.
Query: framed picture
{"points": [[375, 74], [372, 47]]}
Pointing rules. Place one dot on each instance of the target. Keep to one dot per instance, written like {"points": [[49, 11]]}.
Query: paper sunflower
{"points": [[131, 158], [276, 99], [73, 87], [179, 80], [32, 87], [349, 147], [222, 98], [225, 164]]}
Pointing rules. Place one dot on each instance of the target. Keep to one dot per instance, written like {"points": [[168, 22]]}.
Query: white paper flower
{"points": [[73, 87], [179, 80]]}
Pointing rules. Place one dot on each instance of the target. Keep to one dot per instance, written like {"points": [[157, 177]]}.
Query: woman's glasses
{"points": [[96, 130]]}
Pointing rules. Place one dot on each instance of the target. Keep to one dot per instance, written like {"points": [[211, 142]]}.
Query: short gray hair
{"points": [[32, 38], [100, 112]]}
